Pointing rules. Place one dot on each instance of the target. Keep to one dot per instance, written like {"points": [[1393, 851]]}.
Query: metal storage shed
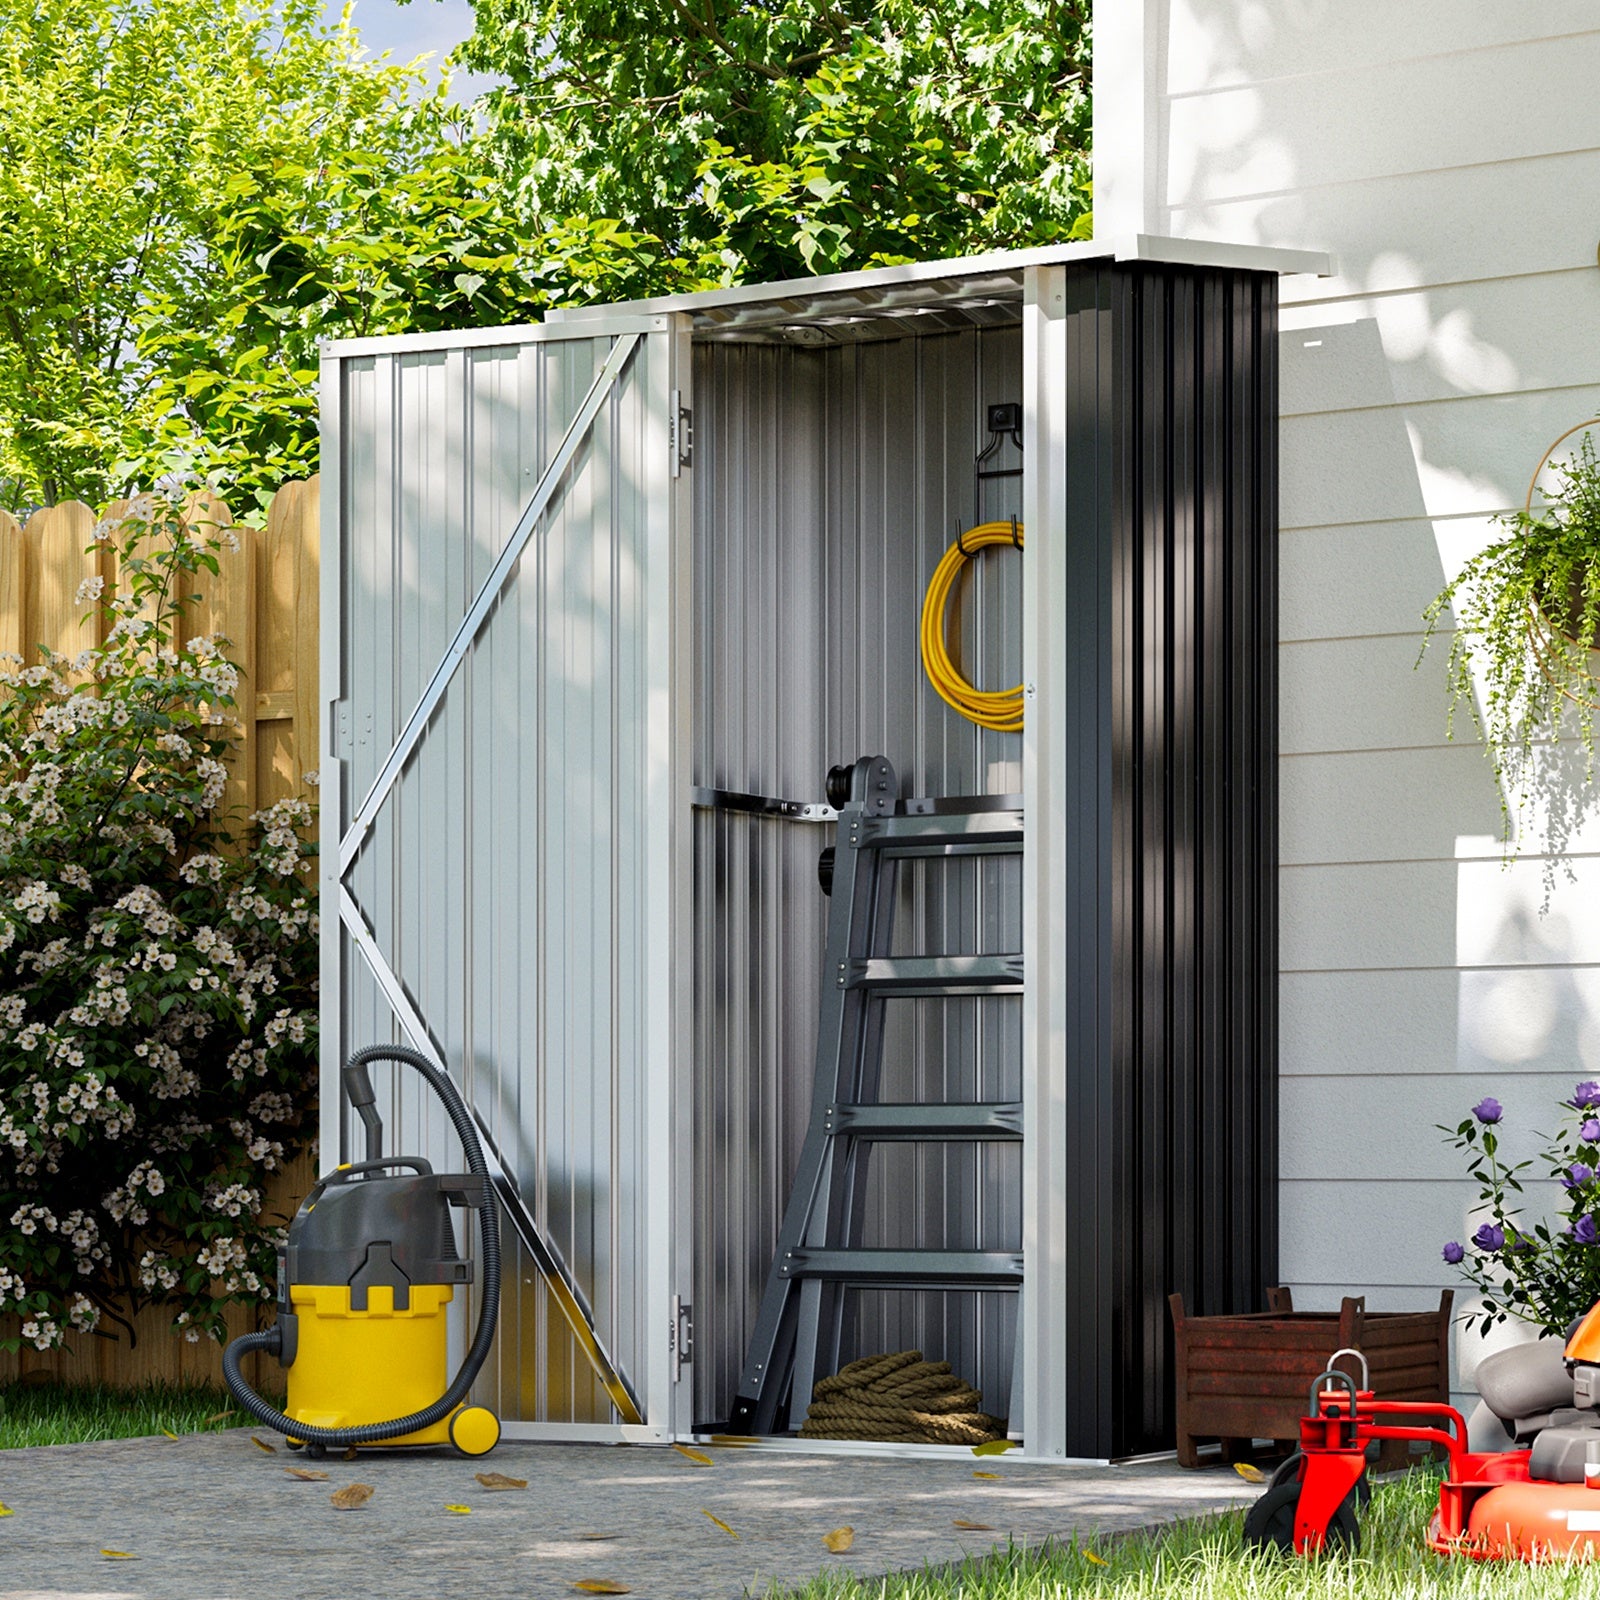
{"points": [[589, 586]]}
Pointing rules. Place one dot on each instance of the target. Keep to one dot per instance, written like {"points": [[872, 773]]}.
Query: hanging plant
{"points": [[1527, 613]]}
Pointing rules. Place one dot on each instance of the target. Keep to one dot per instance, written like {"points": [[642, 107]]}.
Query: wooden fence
{"points": [[264, 600]]}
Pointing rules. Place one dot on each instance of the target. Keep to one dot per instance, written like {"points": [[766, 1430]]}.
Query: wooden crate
{"points": [[1247, 1377]]}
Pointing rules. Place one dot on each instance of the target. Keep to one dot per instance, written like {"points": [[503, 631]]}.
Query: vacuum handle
{"points": [[363, 1100], [354, 1169]]}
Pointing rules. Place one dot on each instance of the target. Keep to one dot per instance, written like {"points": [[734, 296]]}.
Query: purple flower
{"points": [[1578, 1174], [1584, 1231], [1453, 1253], [1586, 1094], [1589, 1132], [1489, 1109], [1489, 1237]]}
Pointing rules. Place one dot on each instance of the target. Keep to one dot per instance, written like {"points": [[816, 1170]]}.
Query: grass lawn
{"points": [[55, 1413], [1205, 1560]]}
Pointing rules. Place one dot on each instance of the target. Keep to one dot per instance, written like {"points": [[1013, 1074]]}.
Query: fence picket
{"points": [[228, 605], [15, 586], [64, 554]]}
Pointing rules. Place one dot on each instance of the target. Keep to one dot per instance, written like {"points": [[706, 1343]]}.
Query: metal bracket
{"points": [[763, 805], [680, 1337], [680, 433]]}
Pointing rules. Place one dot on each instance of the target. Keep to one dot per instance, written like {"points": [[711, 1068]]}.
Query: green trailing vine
{"points": [[1527, 615]]}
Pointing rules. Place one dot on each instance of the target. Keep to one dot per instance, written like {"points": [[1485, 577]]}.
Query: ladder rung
{"points": [[933, 975], [943, 833], [909, 1269], [983, 1119]]}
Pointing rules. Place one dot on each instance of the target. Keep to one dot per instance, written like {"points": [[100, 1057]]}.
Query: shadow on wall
{"points": [[1418, 388]]}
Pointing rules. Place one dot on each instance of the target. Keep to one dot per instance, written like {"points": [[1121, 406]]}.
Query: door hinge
{"points": [[680, 1337], [680, 434]]}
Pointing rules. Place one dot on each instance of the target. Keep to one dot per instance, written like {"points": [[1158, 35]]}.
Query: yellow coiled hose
{"points": [[999, 710]]}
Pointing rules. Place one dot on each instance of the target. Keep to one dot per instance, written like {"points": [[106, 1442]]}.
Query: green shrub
{"points": [[157, 1014]]}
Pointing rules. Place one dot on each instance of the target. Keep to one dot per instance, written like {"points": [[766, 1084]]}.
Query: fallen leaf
{"points": [[731, 1441], [599, 1536], [261, 1444], [1099, 1561], [498, 1480], [995, 1447], [699, 1457], [977, 1527], [601, 1586], [985, 1474], [217, 1416], [720, 1523], [6, 1511], [460, 1511], [840, 1539], [307, 1474], [119, 1555], [351, 1453], [169, 1433], [352, 1495], [1249, 1473]]}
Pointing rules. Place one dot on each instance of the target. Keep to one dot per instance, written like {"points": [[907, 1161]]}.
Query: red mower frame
{"points": [[1314, 1497]]}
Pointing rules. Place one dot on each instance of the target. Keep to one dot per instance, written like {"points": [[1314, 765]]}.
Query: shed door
{"points": [[506, 568]]}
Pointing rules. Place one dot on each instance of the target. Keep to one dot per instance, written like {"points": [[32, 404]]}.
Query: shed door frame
{"points": [[657, 1382]]}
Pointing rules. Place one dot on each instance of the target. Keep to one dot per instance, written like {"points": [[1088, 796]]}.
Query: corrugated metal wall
{"points": [[828, 483], [500, 875], [1170, 712]]}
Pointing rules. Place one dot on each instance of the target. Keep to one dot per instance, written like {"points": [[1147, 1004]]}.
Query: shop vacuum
{"points": [[363, 1284]]}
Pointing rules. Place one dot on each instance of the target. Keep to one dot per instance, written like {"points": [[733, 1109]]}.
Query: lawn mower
{"points": [[364, 1280], [1537, 1500]]}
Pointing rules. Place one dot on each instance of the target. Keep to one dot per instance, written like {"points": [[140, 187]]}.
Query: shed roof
{"points": [[876, 302]]}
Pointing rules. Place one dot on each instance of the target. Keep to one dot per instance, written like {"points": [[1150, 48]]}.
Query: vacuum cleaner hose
{"points": [[488, 1315]]}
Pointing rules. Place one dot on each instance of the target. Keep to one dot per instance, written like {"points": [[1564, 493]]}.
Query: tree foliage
{"points": [[195, 193], [737, 140], [358, 244], [126, 129]]}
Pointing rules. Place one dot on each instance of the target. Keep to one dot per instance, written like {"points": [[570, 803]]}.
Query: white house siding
{"points": [[1447, 154]]}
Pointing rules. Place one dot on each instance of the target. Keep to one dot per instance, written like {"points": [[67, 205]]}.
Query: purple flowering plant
{"points": [[1544, 1271]]}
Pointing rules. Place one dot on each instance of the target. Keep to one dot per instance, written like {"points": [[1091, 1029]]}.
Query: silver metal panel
{"points": [[517, 878], [829, 482], [1045, 1223]]}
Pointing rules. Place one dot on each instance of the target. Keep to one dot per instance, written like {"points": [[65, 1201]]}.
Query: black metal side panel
{"points": [[1171, 754]]}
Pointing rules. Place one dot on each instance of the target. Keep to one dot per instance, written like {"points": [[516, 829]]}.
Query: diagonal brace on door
{"points": [[568, 1297], [546, 1256], [484, 602]]}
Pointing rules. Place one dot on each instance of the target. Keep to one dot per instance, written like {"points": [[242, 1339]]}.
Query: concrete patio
{"points": [[214, 1517]]}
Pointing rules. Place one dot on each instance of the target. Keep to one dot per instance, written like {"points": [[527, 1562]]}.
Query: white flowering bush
{"points": [[157, 970]]}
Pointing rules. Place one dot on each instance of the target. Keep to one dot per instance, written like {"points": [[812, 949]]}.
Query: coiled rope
{"points": [[901, 1399], [999, 710]]}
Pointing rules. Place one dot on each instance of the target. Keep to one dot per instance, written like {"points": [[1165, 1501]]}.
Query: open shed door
{"points": [[505, 648]]}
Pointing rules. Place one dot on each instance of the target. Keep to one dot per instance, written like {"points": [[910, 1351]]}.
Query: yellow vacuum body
{"points": [[355, 1367], [368, 1271], [365, 1281]]}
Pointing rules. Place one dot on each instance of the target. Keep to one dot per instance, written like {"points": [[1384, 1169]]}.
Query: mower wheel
{"points": [[1288, 1471], [1269, 1523], [317, 1452]]}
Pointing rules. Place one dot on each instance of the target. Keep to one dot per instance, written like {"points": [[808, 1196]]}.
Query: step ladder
{"points": [[801, 1320]]}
